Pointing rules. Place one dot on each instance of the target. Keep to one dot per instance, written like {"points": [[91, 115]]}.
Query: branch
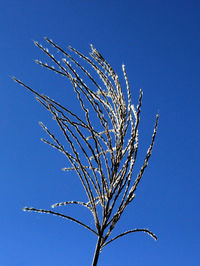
{"points": [[72, 202], [61, 215], [148, 155], [131, 231]]}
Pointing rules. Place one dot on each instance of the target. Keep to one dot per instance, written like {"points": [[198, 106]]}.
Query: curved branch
{"points": [[131, 231], [61, 215], [72, 202]]}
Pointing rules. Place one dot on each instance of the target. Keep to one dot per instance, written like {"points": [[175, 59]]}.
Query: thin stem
{"points": [[131, 231], [97, 251], [61, 215]]}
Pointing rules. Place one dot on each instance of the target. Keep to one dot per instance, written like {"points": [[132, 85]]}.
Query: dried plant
{"points": [[102, 151]]}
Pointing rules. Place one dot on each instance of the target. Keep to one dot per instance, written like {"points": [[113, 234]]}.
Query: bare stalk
{"points": [[97, 251]]}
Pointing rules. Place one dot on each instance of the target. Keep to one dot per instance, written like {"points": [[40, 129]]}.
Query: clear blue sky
{"points": [[159, 42]]}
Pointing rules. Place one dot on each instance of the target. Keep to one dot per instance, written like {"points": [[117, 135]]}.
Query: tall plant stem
{"points": [[97, 251]]}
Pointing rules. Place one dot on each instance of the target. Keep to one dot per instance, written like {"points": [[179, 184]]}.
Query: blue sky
{"points": [[159, 42]]}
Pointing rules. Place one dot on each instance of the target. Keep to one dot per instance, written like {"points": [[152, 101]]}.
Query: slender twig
{"points": [[128, 232], [61, 215]]}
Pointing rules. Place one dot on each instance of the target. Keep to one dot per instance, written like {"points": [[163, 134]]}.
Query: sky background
{"points": [[159, 42]]}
